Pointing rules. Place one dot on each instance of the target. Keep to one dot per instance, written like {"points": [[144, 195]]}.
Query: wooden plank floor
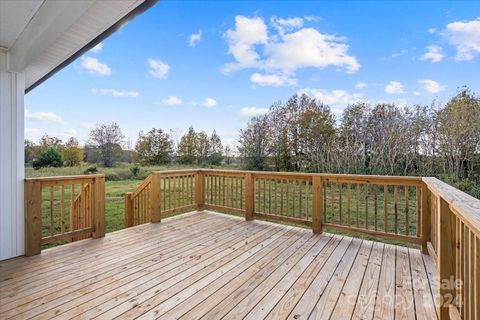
{"points": [[211, 266]]}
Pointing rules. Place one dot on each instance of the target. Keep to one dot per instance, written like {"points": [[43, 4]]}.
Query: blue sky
{"points": [[211, 65]]}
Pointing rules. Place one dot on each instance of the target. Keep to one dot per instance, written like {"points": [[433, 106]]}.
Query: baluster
{"points": [[275, 181], [307, 184], [357, 200], [375, 199], [340, 191], [264, 195], [349, 213], [385, 207], [72, 207], [270, 196], [52, 219], [366, 187], [300, 198], [395, 207], [281, 196], [332, 201], [62, 209], [288, 196], [407, 228]]}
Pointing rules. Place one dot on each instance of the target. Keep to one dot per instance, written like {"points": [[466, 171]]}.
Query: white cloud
{"points": [[194, 38], [286, 25], [248, 112], [432, 30], [431, 86], [117, 93], [32, 134], [158, 68], [172, 101], [394, 87], [434, 54], [44, 117], [93, 66], [209, 103], [248, 32], [312, 18], [416, 93], [465, 36], [273, 80], [360, 85], [309, 48], [290, 48], [97, 48], [337, 100], [334, 97]]}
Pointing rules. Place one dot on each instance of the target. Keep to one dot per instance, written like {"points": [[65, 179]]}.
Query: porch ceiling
{"points": [[43, 36]]}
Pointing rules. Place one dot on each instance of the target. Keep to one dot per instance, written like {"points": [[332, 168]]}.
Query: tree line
{"points": [[106, 142], [303, 134]]}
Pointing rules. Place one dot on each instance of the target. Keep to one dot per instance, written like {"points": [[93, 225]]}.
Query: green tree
{"points": [[72, 153], [154, 147], [29, 151], [216, 149], [459, 132], [187, 148], [253, 144], [203, 148], [48, 157]]}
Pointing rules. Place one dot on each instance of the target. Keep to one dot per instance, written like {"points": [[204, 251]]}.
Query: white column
{"points": [[12, 172]]}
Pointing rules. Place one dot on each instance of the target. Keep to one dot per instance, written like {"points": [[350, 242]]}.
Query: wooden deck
{"points": [[211, 266]]}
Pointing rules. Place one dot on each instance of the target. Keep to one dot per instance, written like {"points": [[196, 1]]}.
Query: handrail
{"points": [[353, 203], [466, 206], [454, 243], [50, 202]]}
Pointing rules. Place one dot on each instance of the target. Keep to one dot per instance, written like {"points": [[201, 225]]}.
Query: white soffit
{"points": [[14, 17], [41, 35]]}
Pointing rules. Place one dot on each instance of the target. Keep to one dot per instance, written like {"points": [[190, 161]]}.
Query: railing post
{"points": [[128, 210], [426, 218], [33, 218], [155, 190], [446, 255], [200, 190], [99, 206], [249, 196], [317, 205]]}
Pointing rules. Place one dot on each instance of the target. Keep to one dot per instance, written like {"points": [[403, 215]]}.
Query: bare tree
{"points": [[108, 139]]}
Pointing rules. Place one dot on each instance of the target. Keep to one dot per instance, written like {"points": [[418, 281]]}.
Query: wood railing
{"points": [[163, 193], [388, 207], [63, 209], [454, 243], [422, 211]]}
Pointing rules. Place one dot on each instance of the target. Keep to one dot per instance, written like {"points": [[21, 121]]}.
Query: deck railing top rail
{"points": [[464, 205]]}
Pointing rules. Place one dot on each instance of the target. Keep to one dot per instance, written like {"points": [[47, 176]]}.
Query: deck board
{"points": [[211, 266]]}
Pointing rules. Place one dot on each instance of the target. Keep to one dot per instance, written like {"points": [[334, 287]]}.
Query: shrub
{"points": [[49, 157], [135, 170], [91, 170]]}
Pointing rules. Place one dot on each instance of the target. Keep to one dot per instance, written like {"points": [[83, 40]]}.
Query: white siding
{"points": [[12, 87]]}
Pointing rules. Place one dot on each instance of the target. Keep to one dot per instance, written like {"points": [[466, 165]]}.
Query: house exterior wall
{"points": [[12, 172]]}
